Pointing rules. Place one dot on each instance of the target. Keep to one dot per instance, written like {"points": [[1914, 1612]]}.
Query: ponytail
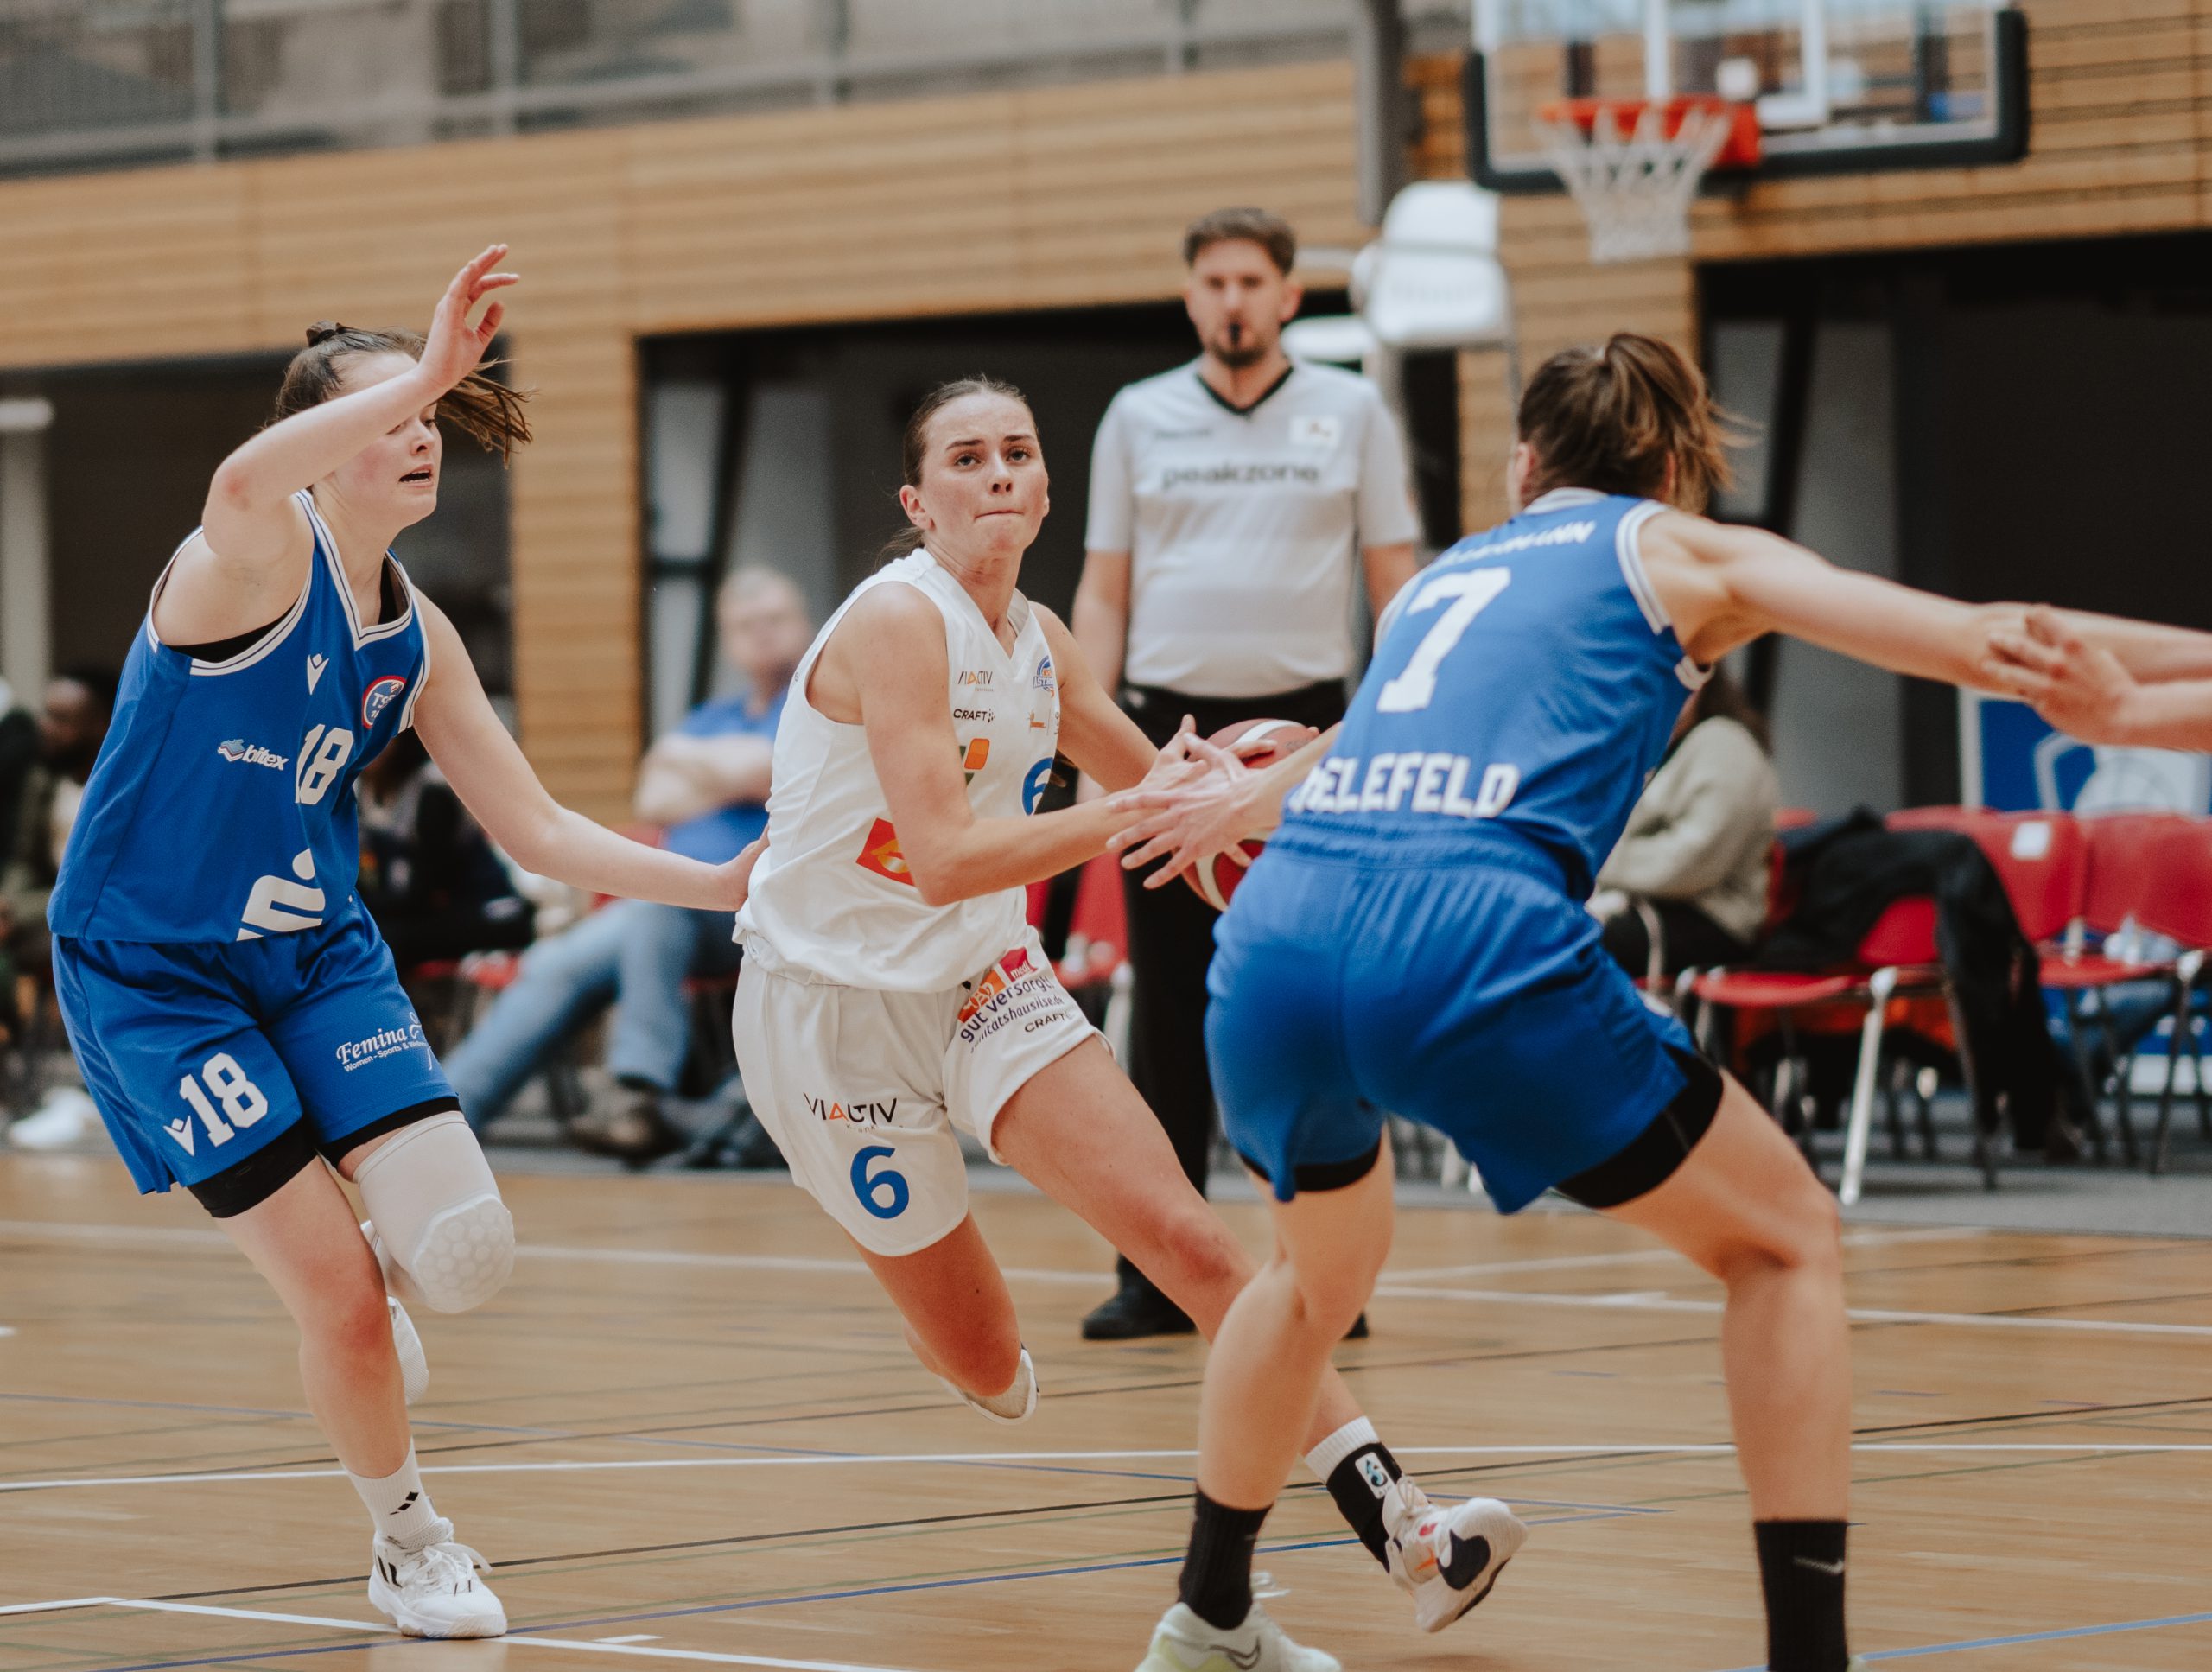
{"points": [[485, 410], [1615, 418]]}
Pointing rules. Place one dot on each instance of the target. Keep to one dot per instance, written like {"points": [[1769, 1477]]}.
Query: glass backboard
{"points": [[1840, 86]]}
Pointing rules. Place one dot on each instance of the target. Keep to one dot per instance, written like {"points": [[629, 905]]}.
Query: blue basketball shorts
{"points": [[1473, 997], [203, 1056]]}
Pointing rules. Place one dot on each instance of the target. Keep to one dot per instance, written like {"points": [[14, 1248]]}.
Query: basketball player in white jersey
{"points": [[892, 994]]}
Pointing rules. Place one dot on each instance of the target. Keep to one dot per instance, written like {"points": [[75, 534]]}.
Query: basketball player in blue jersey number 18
{"points": [[237, 1016], [1415, 940]]}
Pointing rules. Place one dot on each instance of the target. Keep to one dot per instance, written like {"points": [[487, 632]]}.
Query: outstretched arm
{"points": [[1724, 586], [496, 784], [2082, 685]]}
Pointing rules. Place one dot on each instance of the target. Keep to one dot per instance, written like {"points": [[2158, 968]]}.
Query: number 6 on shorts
{"points": [[872, 1187]]}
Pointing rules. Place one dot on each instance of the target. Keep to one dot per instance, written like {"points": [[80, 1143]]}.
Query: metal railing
{"points": [[118, 83]]}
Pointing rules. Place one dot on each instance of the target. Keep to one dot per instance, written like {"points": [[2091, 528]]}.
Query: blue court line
{"points": [[2022, 1637]]}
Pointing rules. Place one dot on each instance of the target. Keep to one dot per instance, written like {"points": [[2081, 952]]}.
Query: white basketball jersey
{"points": [[832, 899]]}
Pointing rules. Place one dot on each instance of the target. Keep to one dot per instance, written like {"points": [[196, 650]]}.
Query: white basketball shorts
{"points": [[864, 1090]]}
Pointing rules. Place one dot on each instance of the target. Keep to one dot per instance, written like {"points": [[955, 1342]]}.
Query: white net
{"points": [[1635, 184]]}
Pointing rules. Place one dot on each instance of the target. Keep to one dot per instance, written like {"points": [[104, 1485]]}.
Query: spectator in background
{"points": [[706, 782], [428, 875], [72, 723], [1235, 503], [1694, 859]]}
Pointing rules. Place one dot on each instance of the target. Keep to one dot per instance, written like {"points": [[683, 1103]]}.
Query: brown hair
{"points": [[1722, 698], [488, 412], [1270, 231], [914, 444], [1614, 418]]}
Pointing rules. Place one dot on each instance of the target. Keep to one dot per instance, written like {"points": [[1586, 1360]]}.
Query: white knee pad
{"points": [[442, 1231]]}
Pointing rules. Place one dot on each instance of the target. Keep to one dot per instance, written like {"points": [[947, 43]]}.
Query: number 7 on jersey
{"points": [[1473, 591]]}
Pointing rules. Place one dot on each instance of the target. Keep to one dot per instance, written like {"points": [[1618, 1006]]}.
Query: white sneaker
{"points": [[414, 1368], [1184, 1643], [433, 1592], [1017, 1404], [1447, 1558], [64, 1120]]}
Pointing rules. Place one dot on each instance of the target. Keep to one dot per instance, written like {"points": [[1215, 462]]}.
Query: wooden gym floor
{"points": [[687, 1433]]}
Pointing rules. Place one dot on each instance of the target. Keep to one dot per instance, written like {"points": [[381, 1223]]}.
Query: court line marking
{"points": [[1852, 1239], [585, 1645], [1660, 1301], [2054, 1636], [580, 1465]]}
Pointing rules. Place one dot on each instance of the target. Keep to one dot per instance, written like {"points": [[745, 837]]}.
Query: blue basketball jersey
{"points": [[221, 807], [1527, 681]]}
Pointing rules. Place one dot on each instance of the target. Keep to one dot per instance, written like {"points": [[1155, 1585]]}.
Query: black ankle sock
{"points": [[1217, 1583], [1358, 1485], [1800, 1570]]}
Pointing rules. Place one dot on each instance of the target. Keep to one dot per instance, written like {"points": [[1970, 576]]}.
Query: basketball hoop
{"points": [[1635, 164]]}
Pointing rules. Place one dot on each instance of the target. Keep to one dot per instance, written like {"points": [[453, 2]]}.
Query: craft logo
{"points": [[252, 754], [381, 695], [879, 854], [882, 1113], [384, 1042]]}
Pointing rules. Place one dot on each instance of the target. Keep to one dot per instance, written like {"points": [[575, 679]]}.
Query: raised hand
{"points": [[455, 347]]}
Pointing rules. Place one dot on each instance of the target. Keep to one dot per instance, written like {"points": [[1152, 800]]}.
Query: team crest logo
{"points": [[879, 854], [381, 695], [1044, 679]]}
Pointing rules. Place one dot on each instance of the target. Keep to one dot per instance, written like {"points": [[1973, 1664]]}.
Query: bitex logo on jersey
{"points": [[252, 754], [881, 1111]]}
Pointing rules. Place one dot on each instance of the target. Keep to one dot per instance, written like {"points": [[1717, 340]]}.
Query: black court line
{"points": [[2046, 1416]]}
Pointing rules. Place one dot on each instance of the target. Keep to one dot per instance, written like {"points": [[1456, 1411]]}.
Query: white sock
{"points": [[1323, 1458], [399, 1508]]}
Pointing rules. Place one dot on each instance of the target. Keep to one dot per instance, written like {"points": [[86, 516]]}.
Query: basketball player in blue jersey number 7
{"points": [[1414, 939], [237, 1016]]}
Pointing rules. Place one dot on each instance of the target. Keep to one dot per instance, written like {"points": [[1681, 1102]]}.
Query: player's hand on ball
{"points": [[1187, 816], [455, 346], [736, 877]]}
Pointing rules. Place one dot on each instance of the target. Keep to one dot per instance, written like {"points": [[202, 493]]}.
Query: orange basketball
{"points": [[1259, 743]]}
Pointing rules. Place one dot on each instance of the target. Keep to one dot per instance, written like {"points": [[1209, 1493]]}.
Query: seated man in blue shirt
{"points": [[706, 782]]}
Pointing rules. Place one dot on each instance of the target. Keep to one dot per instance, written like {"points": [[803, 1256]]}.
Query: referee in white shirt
{"points": [[1235, 502]]}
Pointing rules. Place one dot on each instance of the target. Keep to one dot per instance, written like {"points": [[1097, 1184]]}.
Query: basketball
{"points": [[1258, 743]]}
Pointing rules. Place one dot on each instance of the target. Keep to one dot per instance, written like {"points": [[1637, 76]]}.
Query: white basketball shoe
{"points": [[1017, 1404], [433, 1592], [1448, 1558], [414, 1368], [1184, 1643]]}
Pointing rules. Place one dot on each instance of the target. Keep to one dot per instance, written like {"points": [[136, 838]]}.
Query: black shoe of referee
{"points": [[1137, 1309]]}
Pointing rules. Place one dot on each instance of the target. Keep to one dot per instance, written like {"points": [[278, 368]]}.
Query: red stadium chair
{"points": [[1896, 961], [2177, 902]]}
